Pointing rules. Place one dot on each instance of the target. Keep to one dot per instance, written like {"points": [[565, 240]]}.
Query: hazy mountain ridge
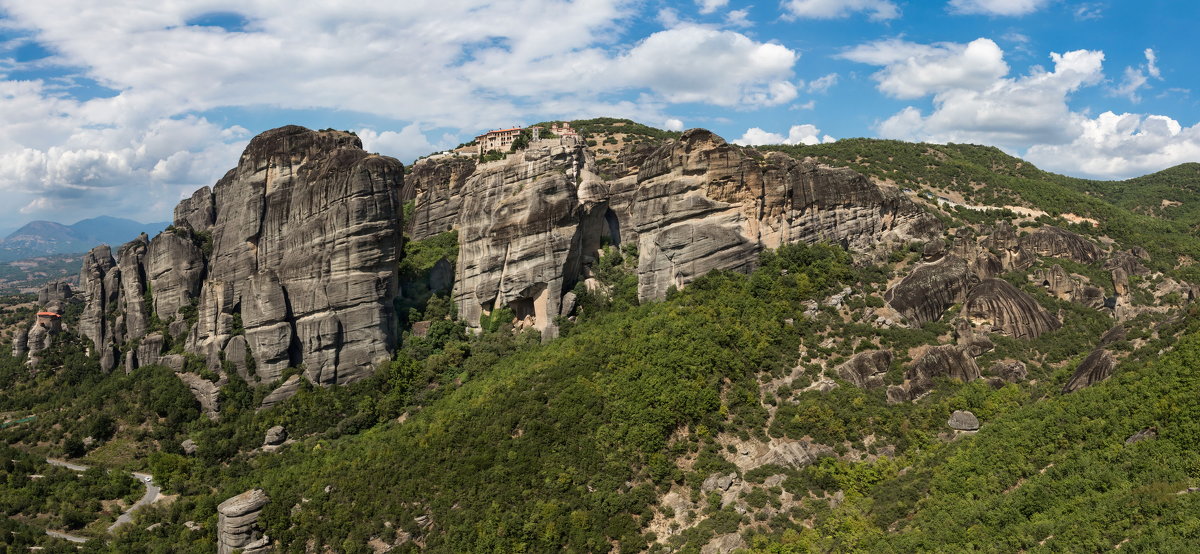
{"points": [[38, 238]]}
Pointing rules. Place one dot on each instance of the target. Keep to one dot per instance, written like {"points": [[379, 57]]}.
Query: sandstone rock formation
{"points": [[995, 305], [275, 438], [866, 369], [531, 226], [1053, 242], [236, 524], [28, 343], [939, 361], [20, 343], [1096, 367], [283, 392], [289, 260], [207, 392], [963, 420], [1011, 371], [930, 289], [58, 291], [439, 183]]}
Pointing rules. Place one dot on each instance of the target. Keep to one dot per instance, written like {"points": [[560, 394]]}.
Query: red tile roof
{"points": [[51, 314]]}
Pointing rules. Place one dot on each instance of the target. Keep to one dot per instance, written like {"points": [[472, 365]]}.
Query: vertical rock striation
{"points": [[288, 260], [531, 226]]}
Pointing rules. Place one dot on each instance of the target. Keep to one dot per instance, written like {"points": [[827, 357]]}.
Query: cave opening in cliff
{"points": [[522, 308], [614, 227]]}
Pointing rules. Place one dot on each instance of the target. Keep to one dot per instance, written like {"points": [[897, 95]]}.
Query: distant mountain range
{"points": [[39, 238]]}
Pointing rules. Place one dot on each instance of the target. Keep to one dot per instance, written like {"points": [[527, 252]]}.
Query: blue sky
{"points": [[124, 106]]}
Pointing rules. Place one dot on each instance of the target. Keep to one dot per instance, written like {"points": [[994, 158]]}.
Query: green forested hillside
{"points": [[1127, 211]]}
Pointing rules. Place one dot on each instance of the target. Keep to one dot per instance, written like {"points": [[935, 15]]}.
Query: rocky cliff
{"points": [[289, 260], [531, 226]]}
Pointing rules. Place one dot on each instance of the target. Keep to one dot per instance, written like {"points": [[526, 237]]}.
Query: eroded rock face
{"points": [[1093, 369], [701, 204], [995, 305], [531, 226], [866, 369], [58, 291], [926, 293], [100, 280], [237, 524], [290, 259], [439, 183], [939, 361], [524, 226], [1053, 242], [724, 544], [175, 268], [20, 343]]}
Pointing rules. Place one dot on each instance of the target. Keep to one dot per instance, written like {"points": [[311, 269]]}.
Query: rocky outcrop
{"points": [[237, 521], [58, 291], [289, 260], [20, 343], [996, 306], [525, 225], [930, 289], [439, 183], [1149, 433], [724, 544], [175, 269], [866, 369], [100, 280], [947, 361], [1053, 242], [963, 420], [206, 392], [1011, 371], [275, 438], [1093, 369], [1004, 240], [702, 204], [531, 226], [28, 343], [284, 391]]}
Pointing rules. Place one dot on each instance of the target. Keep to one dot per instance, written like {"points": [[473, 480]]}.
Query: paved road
{"points": [[150, 496]]}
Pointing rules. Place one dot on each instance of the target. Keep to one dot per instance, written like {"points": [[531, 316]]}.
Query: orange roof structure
{"points": [[48, 314]]}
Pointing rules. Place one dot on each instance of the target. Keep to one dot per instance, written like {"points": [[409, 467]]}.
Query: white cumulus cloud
{"points": [[710, 6], [997, 7], [1029, 114], [1119, 146], [161, 128], [798, 134], [916, 70], [877, 10]]}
